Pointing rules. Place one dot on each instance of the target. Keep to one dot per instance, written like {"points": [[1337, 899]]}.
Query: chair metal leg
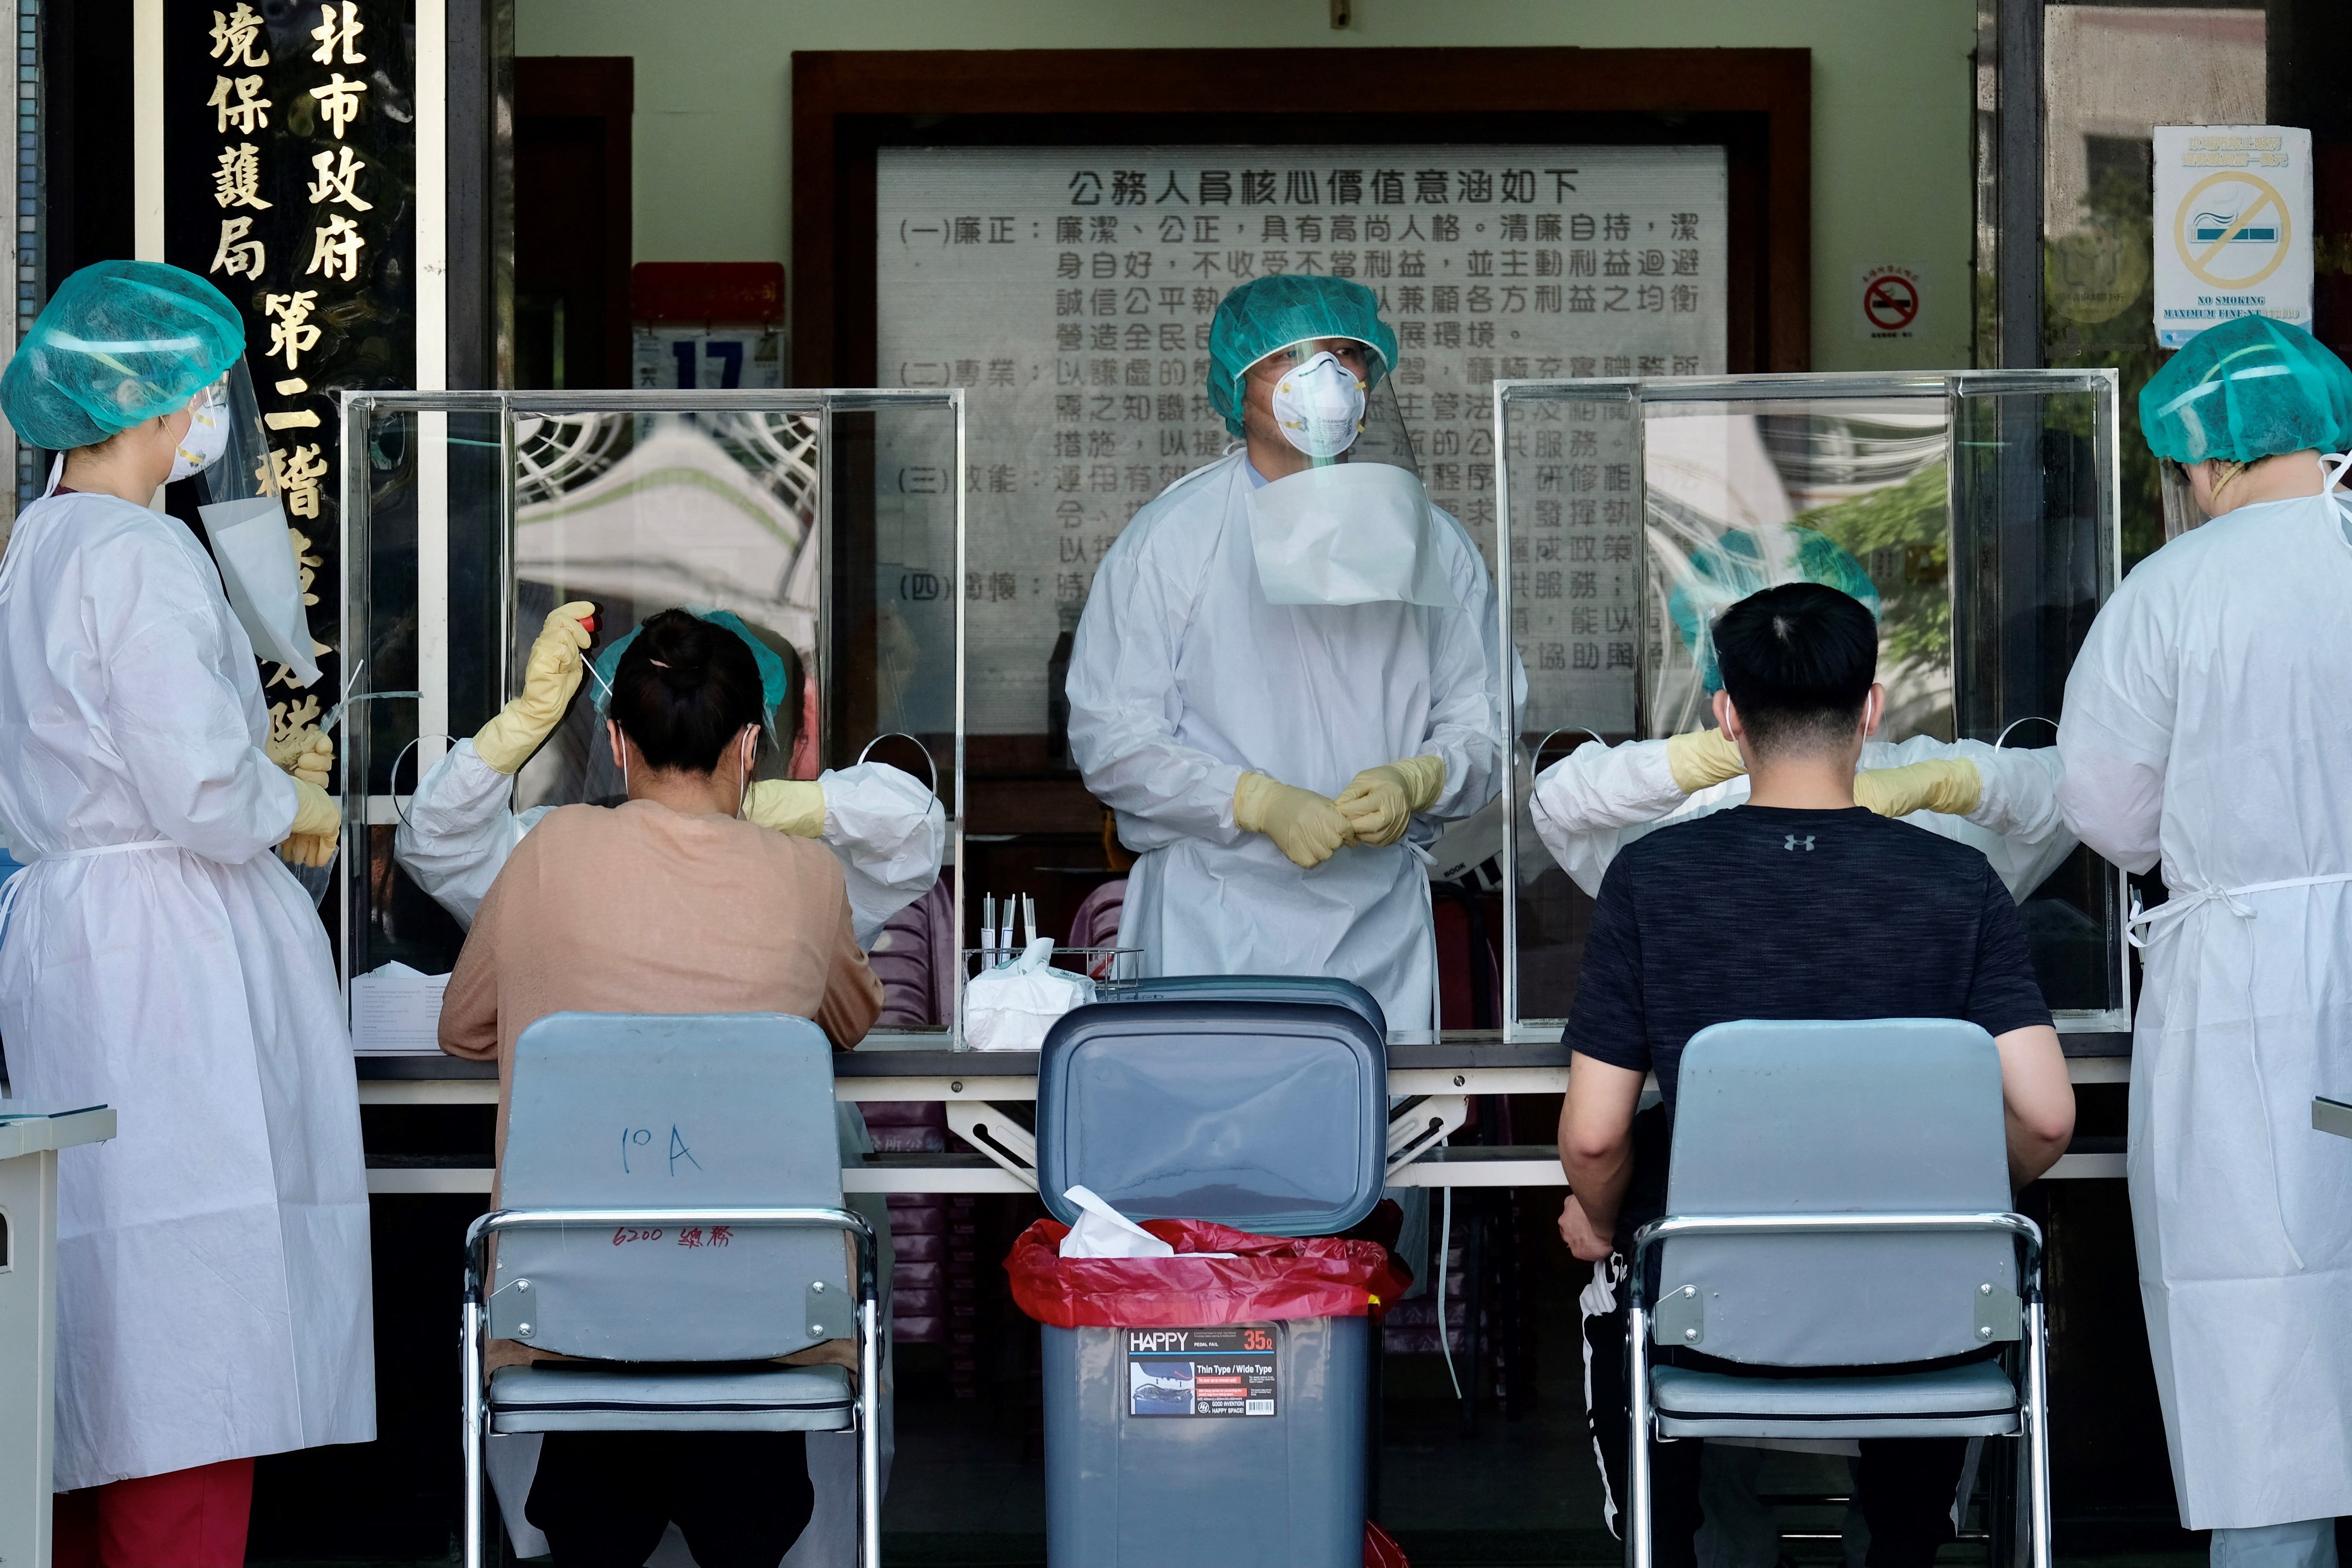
{"points": [[2037, 1438], [470, 1360], [1637, 1452], [869, 1434]]}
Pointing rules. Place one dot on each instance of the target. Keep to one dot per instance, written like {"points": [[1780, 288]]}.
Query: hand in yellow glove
{"points": [[788, 805], [318, 823], [1701, 758], [1948, 784], [308, 753], [507, 742], [1303, 824], [1379, 803]]}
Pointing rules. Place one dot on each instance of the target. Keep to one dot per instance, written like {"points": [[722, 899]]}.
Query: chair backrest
{"points": [[705, 1111], [1320, 989], [1266, 1116], [1898, 1115]]}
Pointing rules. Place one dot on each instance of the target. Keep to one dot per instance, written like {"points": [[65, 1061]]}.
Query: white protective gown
{"points": [[886, 827], [1598, 799], [1182, 678], [2206, 729], [213, 1290]]}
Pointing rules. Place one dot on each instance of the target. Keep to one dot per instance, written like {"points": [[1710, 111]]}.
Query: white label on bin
{"points": [[1226, 1371]]}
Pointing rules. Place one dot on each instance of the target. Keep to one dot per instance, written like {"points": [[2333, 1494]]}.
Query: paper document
{"points": [[396, 1010]]}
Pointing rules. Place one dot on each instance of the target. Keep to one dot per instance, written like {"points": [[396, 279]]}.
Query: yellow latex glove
{"points": [[318, 823], [788, 805], [507, 742], [1948, 784], [308, 753], [1379, 803], [1303, 824], [1701, 758]]}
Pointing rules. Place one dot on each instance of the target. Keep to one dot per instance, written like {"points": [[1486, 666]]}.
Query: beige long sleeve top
{"points": [[640, 908]]}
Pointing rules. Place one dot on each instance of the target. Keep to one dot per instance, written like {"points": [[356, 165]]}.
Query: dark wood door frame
{"points": [[1758, 103], [602, 89]]}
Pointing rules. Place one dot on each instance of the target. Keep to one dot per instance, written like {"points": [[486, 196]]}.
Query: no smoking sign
{"points": [[1886, 307]]}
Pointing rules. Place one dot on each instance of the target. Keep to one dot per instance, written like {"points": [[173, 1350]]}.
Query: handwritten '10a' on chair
{"points": [[671, 1209]]}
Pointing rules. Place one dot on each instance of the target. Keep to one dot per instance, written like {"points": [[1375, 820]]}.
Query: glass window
{"points": [[1975, 512], [830, 522]]}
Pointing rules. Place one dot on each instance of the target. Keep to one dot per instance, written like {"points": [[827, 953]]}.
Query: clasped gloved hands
{"points": [[1703, 758], [787, 805], [549, 679], [317, 824], [1952, 785], [309, 754], [1306, 826], [1380, 803]]}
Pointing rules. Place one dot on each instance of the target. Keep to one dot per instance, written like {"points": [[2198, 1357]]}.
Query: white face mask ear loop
{"points": [[2332, 466]]}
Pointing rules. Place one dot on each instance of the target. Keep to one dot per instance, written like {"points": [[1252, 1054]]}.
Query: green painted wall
{"points": [[1892, 95]]}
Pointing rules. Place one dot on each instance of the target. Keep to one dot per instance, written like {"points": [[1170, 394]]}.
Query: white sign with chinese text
{"points": [[1070, 290], [2233, 226]]}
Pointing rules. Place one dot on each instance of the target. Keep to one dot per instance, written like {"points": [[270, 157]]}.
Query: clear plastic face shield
{"points": [[226, 450], [1352, 524]]}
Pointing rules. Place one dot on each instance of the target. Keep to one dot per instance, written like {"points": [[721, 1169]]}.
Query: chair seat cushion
{"points": [[732, 1396], [1975, 1399]]}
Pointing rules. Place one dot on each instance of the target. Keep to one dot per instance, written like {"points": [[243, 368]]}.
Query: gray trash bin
{"points": [[1223, 1444]]}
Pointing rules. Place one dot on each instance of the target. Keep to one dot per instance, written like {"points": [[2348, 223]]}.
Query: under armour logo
{"points": [[1792, 842]]}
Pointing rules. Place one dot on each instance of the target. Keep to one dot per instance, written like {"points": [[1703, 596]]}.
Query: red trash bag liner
{"points": [[1380, 1549], [1271, 1279]]}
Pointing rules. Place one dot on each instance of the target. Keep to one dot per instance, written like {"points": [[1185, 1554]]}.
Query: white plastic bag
{"points": [[1010, 1007], [1103, 1232]]}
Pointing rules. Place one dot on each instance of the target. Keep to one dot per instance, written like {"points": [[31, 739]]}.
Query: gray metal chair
{"points": [[1839, 1199], [672, 1208]]}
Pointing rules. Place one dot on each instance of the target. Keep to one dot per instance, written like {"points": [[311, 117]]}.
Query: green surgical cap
{"points": [[1270, 313], [771, 664], [119, 342], [1726, 570], [2249, 388]]}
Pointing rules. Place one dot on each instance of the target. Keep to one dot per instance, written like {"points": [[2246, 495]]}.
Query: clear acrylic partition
{"points": [[832, 522], [1978, 507]]}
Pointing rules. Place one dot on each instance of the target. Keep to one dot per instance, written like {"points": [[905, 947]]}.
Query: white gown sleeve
{"points": [[1598, 799], [185, 731], [458, 831], [2116, 731], [889, 832], [1123, 708], [2016, 823], [1467, 702]]}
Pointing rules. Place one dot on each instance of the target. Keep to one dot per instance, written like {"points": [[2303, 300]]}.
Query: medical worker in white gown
{"points": [[1287, 675], [213, 1298], [2208, 731], [886, 827]]}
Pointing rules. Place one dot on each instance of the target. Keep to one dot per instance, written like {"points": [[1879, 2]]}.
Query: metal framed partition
{"points": [[831, 522], [1980, 508]]}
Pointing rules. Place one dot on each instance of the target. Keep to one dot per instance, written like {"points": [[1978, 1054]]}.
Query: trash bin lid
{"points": [[1327, 989], [1269, 1117]]}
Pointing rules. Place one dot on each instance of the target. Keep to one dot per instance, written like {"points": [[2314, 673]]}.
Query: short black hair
{"points": [[1798, 661], [684, 689]]}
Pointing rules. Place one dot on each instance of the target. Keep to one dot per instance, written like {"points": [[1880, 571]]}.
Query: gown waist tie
{"points": [[15, 884], [2145, 926]]}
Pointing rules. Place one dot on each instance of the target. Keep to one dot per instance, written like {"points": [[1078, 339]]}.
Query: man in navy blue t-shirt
{"points": [[1798, 904]]}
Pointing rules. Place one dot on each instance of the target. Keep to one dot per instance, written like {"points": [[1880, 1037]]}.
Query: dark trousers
{"points": [[1904, 1486], [604, 1499]]}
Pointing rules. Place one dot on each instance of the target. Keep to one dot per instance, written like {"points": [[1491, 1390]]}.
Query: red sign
{"points": [[1890, 301]]}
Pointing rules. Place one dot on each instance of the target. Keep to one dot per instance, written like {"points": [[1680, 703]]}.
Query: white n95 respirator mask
{"points": [[1320, 406], [208, 437]]}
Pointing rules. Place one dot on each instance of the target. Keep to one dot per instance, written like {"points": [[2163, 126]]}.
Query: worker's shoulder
{"points": [[2242, 544], [1166, 521], [123, 535]]}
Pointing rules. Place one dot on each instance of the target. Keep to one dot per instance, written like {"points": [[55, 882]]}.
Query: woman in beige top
{"points": [[722, 916]]}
